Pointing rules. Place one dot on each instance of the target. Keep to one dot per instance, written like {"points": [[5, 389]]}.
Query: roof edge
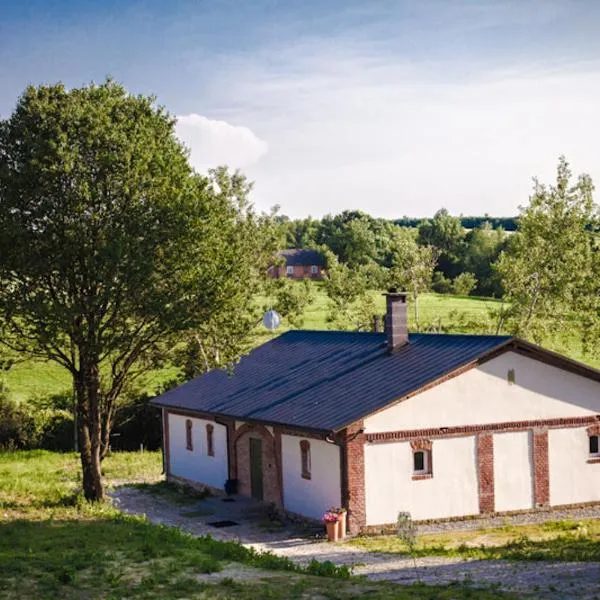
{"points": [[213, 415], [513, 343]]}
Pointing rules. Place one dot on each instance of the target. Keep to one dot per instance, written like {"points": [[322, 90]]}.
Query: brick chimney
{"points": [[396, 319]]}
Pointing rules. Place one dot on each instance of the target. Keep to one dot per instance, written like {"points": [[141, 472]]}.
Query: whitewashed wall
{"points": [[483, 395], [572, 478], [196, 465], [513, 471], [451, 492], [310, 497]]}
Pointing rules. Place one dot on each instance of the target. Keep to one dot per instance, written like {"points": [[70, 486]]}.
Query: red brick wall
{"points": [[271, 462], [485, 463], [541, 475], [353, 476], [300, 272]]}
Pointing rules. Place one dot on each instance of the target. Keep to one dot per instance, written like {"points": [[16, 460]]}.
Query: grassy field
{"points": [[54, 545], [554, 540], [453, 313]]}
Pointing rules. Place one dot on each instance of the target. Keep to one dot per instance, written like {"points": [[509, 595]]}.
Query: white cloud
{"points": [[213, 143]]}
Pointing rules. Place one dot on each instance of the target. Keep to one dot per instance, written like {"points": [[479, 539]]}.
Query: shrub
{"points": [[464, 284], [35, 424], [18, 428], [441, 284], [407, 532]]}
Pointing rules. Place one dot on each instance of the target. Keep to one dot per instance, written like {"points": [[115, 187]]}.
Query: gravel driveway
{"points": [[540, 579]]}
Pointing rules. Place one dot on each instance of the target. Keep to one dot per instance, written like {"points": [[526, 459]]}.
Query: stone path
{"points": [[541, 579]]}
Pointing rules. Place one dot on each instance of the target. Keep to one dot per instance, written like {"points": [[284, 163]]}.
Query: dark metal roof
{"points": [[325, 380], [301, 257]]}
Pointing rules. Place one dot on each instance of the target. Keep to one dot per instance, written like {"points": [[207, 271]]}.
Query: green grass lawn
{"points": [[54, 545], [554, 540]]}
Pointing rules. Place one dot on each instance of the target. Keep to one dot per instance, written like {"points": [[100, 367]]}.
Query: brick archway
{"points": [[271, 462]]}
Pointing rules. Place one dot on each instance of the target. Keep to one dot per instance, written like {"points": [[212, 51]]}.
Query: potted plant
{"points": [[331, 520], [342, 514]]}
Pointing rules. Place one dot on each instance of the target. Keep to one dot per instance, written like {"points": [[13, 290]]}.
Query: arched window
{"points": [[189, 444], [305, 458], [422, 459], [209, 440]]}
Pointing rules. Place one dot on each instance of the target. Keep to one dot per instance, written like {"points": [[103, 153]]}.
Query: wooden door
{"points": [[256, 473]]}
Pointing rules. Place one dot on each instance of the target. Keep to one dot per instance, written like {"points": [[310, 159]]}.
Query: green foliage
{"points": [[34, 424], [231, 271], [505, 223], [440, 283], [128, 251], [289, 298], [550, 268], [445, 233], [406, 530], [411, 267], [483, 247], [464, 284], [352, 306]]}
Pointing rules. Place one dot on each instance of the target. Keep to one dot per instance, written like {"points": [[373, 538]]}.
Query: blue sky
{"points": [[396, 108]]}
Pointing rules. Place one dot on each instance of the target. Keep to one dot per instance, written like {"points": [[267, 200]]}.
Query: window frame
{"points": [[593, 432], [289, 270], [425, 461], [189, 439], [424, 447], [305, 460], [314, 270], [596, 453], [210, 441]]}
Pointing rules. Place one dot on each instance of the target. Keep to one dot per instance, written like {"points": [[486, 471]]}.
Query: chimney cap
{"points": [[394, 293]]}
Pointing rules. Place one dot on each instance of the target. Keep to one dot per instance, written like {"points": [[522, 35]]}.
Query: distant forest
{"points": [[507, 223], [462, 250]]}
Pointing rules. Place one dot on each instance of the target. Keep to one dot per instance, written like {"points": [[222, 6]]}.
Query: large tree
{"points": [[110, 246], [549, 270]]}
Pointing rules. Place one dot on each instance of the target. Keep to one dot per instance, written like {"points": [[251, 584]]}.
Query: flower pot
{"points": [[332, 531], [342, 525]]}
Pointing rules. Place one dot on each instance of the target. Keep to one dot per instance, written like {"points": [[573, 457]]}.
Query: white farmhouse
{"points": [[441, 426]]}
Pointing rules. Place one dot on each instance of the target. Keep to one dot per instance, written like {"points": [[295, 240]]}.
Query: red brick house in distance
{"points": [[299, 264]]}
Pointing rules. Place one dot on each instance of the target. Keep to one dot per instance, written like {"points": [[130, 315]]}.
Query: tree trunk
{"points": [[88, 422]]}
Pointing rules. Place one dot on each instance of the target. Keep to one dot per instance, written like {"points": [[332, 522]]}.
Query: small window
{"points": [[314, 269], [188, 435], [289, 270], [210, 448], [419, 462], [305, 458], [421, 454], [594, 446], [511, 376]]}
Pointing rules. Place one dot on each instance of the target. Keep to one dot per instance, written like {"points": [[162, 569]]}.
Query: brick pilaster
{"points": [[231, 456], [485, 462], [541, 476], [353, 476], [166, 445]]}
